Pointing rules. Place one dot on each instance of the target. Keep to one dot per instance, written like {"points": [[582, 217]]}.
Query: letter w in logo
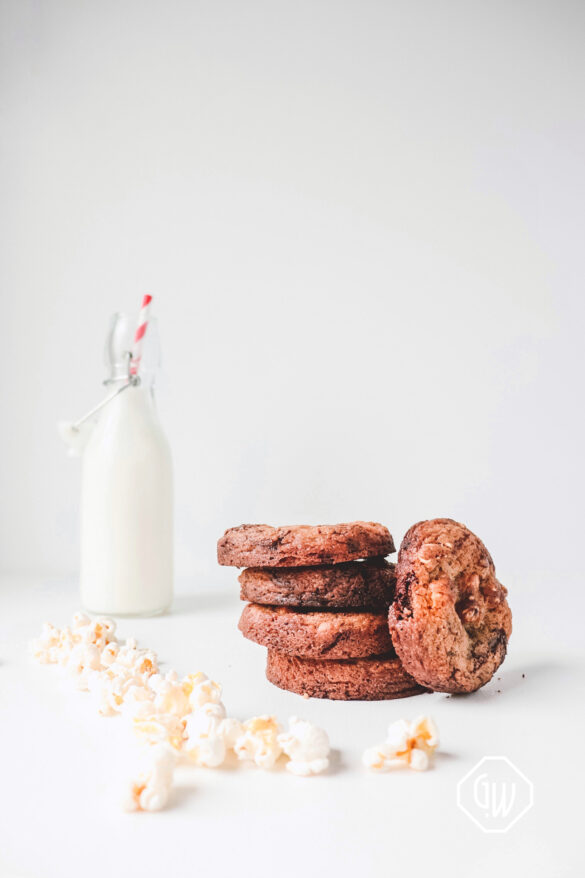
{"points": [[495, 799]]}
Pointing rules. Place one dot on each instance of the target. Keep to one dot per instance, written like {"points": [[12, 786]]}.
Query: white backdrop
{"points": [[363, 223], [363, 226]]}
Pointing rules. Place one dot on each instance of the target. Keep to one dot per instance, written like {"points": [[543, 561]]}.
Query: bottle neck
{"points": [[139, 395]]}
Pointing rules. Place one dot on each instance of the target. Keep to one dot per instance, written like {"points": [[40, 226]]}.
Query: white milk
{"points": [[127, 510]]}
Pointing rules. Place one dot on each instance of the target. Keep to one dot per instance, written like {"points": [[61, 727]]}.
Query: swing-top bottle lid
{"points": [[118, 350]]}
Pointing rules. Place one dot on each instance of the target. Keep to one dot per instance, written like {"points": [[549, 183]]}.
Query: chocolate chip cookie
{"points": [[319, 634], [363, 679], [259, 545], [365, 584], [450, 620]]}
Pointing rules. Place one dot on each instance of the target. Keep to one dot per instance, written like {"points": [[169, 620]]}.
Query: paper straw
{"points": [[139, 335]]}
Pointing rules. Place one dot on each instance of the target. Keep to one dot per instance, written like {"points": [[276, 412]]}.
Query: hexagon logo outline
{"points": [[490, 795]]}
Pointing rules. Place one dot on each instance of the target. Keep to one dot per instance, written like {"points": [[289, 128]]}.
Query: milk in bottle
{"points": [[127, 490]]}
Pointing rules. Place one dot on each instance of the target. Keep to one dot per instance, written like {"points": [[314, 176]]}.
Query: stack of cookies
{"points": [[319, 599]]}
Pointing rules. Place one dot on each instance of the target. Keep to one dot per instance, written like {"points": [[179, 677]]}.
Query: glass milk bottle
{"points": [[127, 490]]}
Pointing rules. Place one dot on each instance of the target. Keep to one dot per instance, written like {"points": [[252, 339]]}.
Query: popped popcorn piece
{"points": [[100, 632], [230, 730], [307, 747], [410, 743], [203, 691], [79, 620], [170, 695], [149, 791], [133, 658], [45, 648], [425, 733], [192, 680], [138, 700], [214, 710], [68, 639], [115, 685], [259, 741], [159, 728], [106, 691], [380, 758], [109, 653], [204, 742], [83, 661]]}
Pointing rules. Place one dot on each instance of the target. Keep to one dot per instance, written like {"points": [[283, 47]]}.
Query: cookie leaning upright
{"points": [[450, 621]]}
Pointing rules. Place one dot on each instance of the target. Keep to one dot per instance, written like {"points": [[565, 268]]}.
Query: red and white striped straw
{"points": [[139, 335]]}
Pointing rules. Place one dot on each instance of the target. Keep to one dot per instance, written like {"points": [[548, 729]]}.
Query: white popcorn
{"points": [[419, 759], [155, 682], [45, 648], [259, 741], [204, 742], [138, 700], [109, 654], [307, 747], [149, 791], [159, 728], [208, 752], [408, 743], [105, 691], [141, 661], [83, 661], [56, 645], [99, 632], [202, 690], [192, 680], [215, 711], [380, 758], [230, 730], [123, 676], [170, 694], [114, 685], [79, 620], [173, 718], [67, 641]]}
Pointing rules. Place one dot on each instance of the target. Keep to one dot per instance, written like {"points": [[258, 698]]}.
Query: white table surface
{"points": [[62, 765]]}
